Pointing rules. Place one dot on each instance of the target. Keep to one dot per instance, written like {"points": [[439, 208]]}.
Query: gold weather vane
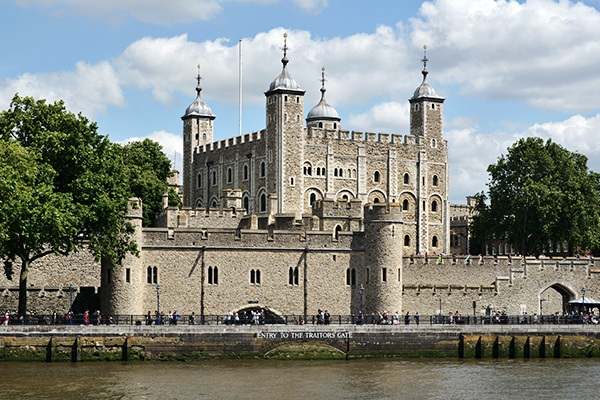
{"points": [[198, 78], [322, 80], [424, 60], [284, 48]]}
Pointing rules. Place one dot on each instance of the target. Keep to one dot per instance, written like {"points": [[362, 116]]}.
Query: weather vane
{"points": [[284, 48], [323, 80], [198, 77], [424, 60]]}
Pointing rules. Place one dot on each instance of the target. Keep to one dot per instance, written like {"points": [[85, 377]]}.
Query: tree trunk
{"points": [[23, 288]]}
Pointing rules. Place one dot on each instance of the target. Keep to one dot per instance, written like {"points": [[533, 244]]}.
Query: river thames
{"points": [[265, 379]]}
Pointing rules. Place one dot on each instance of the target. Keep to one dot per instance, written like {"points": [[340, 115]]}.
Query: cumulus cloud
{"points": [[172, 144], [472, 150], [153, 11], [89, 89], [391, 117]]}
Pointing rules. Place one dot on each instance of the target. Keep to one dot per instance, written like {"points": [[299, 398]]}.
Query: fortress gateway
{"points": [[297, 217]]}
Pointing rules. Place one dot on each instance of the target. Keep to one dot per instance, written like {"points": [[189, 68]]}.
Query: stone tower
{"points": [[123, 286], [383, 258], [285, 137], [197, 131], [427, 124]]}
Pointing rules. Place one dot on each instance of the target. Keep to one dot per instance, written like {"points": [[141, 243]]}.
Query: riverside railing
{"points": [[272, 319]]}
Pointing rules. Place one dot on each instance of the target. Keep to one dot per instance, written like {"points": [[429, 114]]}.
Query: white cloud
{"points": [[161, 12], [471, 150], [89, 89], [392, 117], [172, 144]]}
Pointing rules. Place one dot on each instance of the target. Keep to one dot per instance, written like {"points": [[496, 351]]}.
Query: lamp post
{"points": [[362, 315], [583, 306], [71, 305], [158, 304]]}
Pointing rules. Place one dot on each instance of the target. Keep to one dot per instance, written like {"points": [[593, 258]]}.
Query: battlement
{"points": [[358, 136], [134, 208], [338, 208], [383, 212], [232, 141]]}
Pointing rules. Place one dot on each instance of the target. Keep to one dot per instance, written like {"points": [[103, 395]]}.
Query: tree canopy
{"points": [[539, 193], [64, 186]]}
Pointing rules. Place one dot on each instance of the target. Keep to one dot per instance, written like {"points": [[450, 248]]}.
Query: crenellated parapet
{"points": [[232, 142]]}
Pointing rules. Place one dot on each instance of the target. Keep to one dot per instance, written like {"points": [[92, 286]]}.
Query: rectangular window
{"points": [[384, 274], [127, 275]]}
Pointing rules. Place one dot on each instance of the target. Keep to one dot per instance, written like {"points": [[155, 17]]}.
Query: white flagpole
{"points": [[240, 84]]}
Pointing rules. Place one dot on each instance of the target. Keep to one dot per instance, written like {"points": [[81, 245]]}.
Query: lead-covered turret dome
{"points": [[323, 111], [198, 108], [284, 80]]}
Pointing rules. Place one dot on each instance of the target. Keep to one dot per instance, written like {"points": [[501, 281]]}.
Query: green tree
{"points": [[81, 177], [147, 169], [539, 192]]}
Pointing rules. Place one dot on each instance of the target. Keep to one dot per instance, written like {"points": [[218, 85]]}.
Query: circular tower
{"points": [[122, 285], [382, 269]]}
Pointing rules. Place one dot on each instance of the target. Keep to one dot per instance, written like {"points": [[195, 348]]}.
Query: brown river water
{"points": [[264, 379]]}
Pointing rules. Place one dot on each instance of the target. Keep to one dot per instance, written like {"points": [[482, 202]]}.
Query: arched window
{"points": [[353, 277], [433, 143], [296, 276], [338, 229], [155, 275], [318, 171], [434, 206], [263, 169], [291, 276], [349, 173], [258, 276], [434, 241], [347, 276], [246, 203], [320, 124], [307, 169], [215, 276], [345, 197], [406, 179], [149, 278], [245, 176], [214, 204], [199, 180], [210, 275], [405, 205], [263, 203], [252, 276], [335, 172], [214, 177], [229, 175], [376, 177], [406, 240], [435, 180], [312, 199], [376, 200]]}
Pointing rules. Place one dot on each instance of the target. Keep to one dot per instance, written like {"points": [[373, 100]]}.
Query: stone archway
{"points": [[555, 298], [271, 316]]}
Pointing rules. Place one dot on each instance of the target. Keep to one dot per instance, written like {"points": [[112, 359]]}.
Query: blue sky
{"points": [[508, 69]]}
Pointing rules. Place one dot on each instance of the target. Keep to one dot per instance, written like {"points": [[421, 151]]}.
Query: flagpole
{"points": [[240, 85]]}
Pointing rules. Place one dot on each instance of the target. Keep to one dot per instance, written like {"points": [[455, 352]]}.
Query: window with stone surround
{"points": [[405, 205], [384, 274], [255, 277], [406, 179], [406, 240], [376, 177], [435, 180], [214, 178], [128, 275], [245, 173], [246, 203], [434, 206], [263, 169], [307, 169], [263, 203], [229, 175], [434, 241], [293, 276], [213, 275], [199, 180]]}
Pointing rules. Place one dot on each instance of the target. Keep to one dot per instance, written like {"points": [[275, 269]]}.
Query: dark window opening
{"points": [[128, 275], [407, 240]]}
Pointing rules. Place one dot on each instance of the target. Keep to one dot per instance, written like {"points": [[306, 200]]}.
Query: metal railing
{"points": [[272, 319]]}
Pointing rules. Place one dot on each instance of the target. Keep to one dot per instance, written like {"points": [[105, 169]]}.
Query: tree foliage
{"points": [[539, 192], [147, 169], [65, 185]]}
